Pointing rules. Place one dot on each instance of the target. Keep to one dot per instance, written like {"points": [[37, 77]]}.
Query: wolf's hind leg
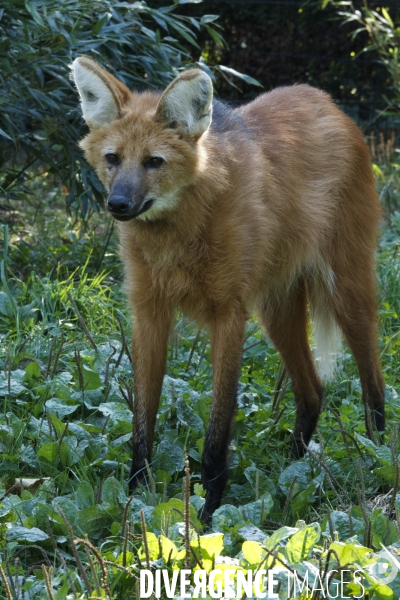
{"points": [[285, 320], [356, 314]]}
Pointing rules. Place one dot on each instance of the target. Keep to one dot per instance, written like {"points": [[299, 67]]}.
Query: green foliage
{"points": [[65, 432], [40, 120], [384, 37]]}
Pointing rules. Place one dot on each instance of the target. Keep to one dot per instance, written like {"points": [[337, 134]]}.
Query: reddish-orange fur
{"points": [[275, 208]]}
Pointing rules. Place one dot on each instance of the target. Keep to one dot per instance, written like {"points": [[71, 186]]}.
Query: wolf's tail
{"points": [[327, 333]]}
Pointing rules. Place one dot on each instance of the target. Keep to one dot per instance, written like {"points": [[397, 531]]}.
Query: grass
{"points": [[66, 421]]}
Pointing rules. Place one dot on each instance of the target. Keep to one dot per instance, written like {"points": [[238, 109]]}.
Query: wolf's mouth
{"points": [[146, 206]]}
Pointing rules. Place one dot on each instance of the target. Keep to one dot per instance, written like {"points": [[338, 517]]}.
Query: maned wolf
{"points": [[222, 212]]}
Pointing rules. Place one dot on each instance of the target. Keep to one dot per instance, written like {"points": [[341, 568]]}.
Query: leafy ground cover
{"points": [[68, 528]]}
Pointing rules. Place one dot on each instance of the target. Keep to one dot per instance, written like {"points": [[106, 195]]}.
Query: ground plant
{"points": [[69, 528], [328, 524]]}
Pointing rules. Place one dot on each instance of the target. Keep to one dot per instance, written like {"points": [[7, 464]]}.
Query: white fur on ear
{"points": [[99, 104], [186, 104]]}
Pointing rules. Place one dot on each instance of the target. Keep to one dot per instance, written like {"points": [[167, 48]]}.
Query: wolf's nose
{"points": [[119, 205]]}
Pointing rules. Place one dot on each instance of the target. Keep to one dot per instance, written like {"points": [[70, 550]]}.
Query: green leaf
{"points": [[96, 521], [251, 533], [59, 408], [116, 410], [168, 548], [84, 495], [153, 547], [187, 416], [112, 492], [302, 500], [264, 483], [210, 545], [185, 34], [4, 134], [299, 469], [5, 304], [253, 552], [91, 379], [197, 502], [170, 457], [32, 370], [279, 535], [218, 39], [48, 453], [245, 78], [366, 442], [208, 18], [68, 507], [13, 386], [34, 13], [257, 511], [98, 26], [226, 517], [387, 17], [24, 534], [161, 512], [300, 545], [341, 523], [66, 459], [348, 553]]}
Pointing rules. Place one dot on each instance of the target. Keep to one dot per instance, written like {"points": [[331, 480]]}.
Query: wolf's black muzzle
{"points": [[124, 209]]}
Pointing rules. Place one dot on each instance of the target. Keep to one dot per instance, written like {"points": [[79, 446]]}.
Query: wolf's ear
{"points": [[186, 104], [102, 95]]}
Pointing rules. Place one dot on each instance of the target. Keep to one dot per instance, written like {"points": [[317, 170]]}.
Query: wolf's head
{"points": [[146, 147]]}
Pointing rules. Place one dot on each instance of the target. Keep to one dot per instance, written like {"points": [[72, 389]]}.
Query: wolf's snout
{"points": [[119, 205]]}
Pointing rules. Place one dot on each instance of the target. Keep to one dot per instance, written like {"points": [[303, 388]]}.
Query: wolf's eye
{"points": [[112, 159], [154, 162]]}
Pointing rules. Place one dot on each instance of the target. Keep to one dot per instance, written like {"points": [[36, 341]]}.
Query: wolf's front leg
{"points": [[227, 338], [149, 350]]}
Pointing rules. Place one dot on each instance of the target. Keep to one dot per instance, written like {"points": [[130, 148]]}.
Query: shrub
{"points": [[384, 37], [40, 120]]}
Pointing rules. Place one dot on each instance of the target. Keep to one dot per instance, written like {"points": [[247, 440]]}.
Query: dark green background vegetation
{"points": [[65, 370]]}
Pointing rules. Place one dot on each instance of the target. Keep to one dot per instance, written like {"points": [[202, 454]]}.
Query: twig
{"points": [[121, 568], [23, 344], [57, 356], [50, 356], [62, 436], [193, 348], [79, 367], [5, 583], [346, 434], [13, 582], [144, 537], [83, 324], [280, 389], [125, 515], [289, 498], [393, 448], [331, 477], [187, 512], [124, 344], [99, 560], [126, 393], [47, 580], [79, 564]]}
